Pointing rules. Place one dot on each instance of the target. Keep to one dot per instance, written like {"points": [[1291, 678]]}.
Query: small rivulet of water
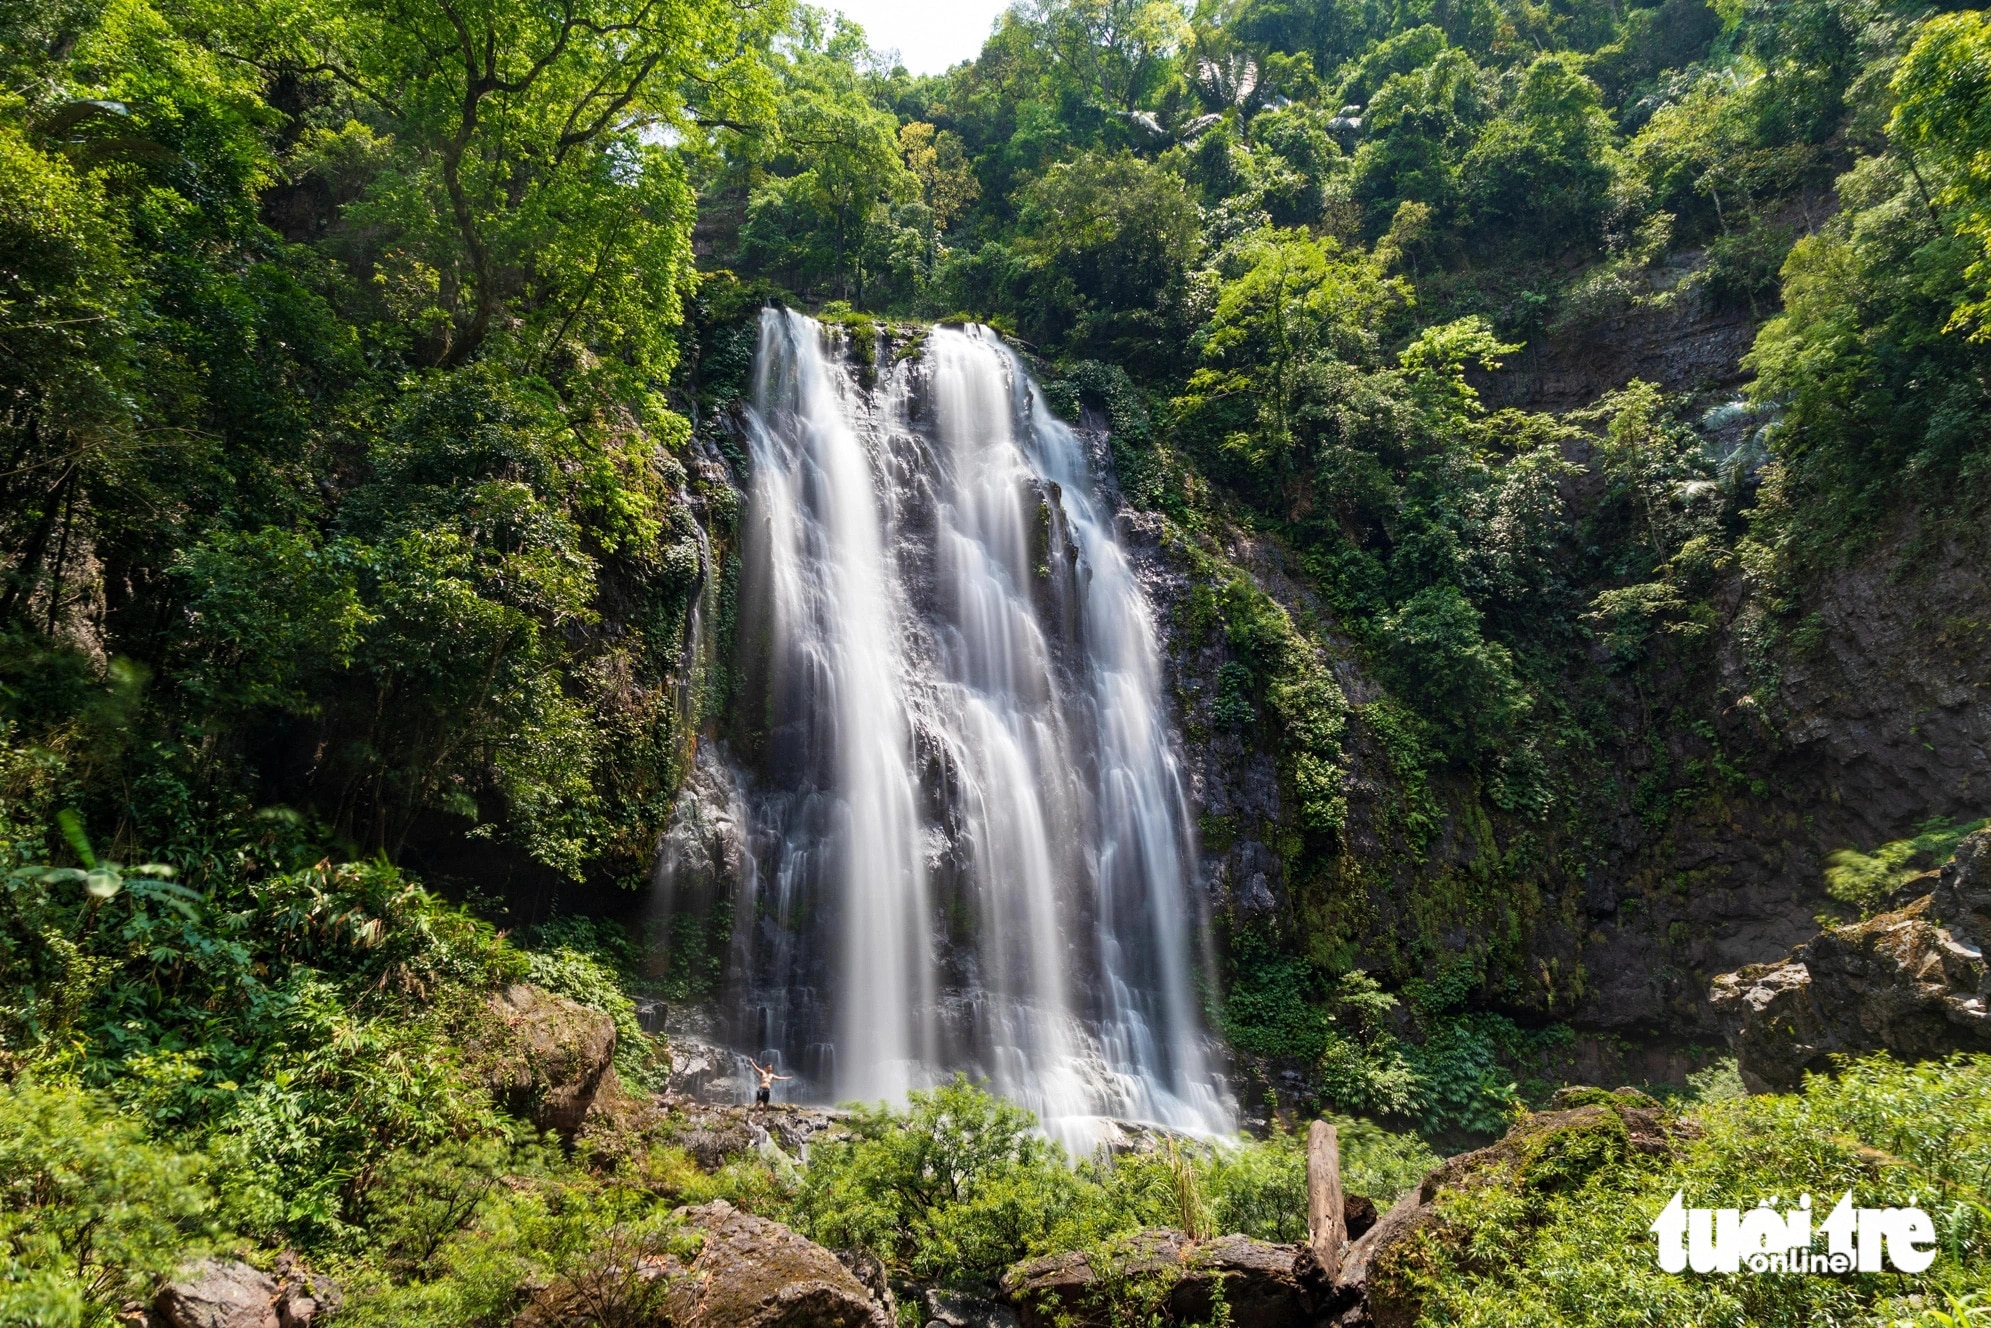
{"points": [[967, 845]]}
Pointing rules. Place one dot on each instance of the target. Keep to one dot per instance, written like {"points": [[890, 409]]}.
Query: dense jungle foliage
{"points": [[352, 354]]}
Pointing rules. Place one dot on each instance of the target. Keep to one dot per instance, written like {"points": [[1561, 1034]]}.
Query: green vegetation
{"points": [[1868, 880], [361, 435], [1558, 1235]]}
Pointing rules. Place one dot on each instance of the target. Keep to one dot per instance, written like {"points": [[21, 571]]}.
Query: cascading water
{"points": [[969, 845]]}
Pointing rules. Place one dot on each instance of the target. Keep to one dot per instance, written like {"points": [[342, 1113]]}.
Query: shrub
{"points": [[92, 1211], [956, 1186]]}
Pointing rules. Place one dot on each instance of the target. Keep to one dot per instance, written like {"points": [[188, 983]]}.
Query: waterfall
{"points": [[970, 847]]}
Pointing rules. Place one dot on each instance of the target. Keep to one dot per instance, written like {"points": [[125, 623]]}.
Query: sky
{"points": [[929, 35]]}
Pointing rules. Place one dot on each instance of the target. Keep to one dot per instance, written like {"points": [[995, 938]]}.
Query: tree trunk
{"points": [[1327, 1223]]}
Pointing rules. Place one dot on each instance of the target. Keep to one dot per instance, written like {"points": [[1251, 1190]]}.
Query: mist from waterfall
{"points": [[970, 847]]}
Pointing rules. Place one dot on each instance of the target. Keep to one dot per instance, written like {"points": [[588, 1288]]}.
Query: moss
{"points": [[1550, 1225]]}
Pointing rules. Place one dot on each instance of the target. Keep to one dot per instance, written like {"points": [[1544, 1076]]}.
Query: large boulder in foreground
{"points": [[754, 1273], [749, 1273], [1546, 1152], [218, 1293], [547, 1058], [1912, 982], [1162, 1271]]}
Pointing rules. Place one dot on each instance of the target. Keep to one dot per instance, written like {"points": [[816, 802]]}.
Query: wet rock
{"points": [[713, 1133], [218, 1293], [548, 1057], [702, 1072], [1254, 1278], [1898, 982], [753, 1273]]}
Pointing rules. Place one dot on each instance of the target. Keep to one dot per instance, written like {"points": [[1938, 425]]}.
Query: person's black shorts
{"points": [[760, 1097]]}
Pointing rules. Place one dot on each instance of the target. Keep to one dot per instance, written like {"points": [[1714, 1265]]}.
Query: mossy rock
{"points": [[1506, 1190], [1578, 1095]]}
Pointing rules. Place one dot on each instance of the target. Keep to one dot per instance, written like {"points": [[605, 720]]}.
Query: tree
{"points": [[1942, 120], [1290, 300], [1118, 53], [1111, 238], [529, 181], [1541, 171], [1417, 128], [825, 214]]}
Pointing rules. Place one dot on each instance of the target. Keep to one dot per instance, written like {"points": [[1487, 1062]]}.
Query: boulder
{"points": [[1545, 1152], [218, 1293], [958, 1309], [711, 1145], [1255, 1278], [1900, 982], [754, 1273], [869, 1269], [749, 1273], [548, 1058], [1184, 1277]]}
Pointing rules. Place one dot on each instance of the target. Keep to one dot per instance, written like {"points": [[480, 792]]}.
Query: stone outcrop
{"points": [[754, 1273], [1902, 982], [869, 1269], [227, 1293], [304, 1297], [1962, 896], [749, 1272], [1180, 1276], [958, 1309], [218, 1293], [549, 1059], [1582, 1131]]}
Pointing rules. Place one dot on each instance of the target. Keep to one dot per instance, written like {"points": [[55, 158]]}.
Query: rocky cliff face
{"points": [[1864, 714]]}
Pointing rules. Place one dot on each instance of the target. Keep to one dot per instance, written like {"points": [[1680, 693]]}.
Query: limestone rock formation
{"points": [[1902, 981], [548, 1058], [1255, 1279]]}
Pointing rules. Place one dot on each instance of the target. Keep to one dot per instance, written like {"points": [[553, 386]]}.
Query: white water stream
{"points": [[970, 844]]}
